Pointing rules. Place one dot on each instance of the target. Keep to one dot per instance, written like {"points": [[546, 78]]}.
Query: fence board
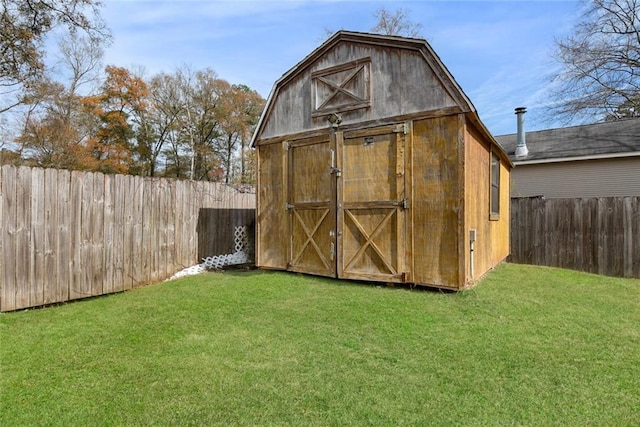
{"points": [[9, 223], [108, 233], [36, 234], [63, 245], [50, 234], [96, 247], [139, 268], [75, 228], [24, 273], [599, 235], [119, 227]]}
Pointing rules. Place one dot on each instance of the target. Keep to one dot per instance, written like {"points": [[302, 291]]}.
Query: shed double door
{"points": [[347, 204]]}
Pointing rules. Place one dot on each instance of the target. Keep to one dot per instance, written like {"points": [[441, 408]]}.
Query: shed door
{"points": [[371, 204], [311, 206]]}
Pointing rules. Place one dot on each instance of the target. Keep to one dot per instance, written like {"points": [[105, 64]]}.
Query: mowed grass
{"points": [[527, 346]]}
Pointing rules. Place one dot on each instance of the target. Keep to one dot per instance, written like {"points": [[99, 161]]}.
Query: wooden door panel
{"points": [[311, 243], [369, 242], [371, 205], [310, 180], [311, 206], [369, 170]]}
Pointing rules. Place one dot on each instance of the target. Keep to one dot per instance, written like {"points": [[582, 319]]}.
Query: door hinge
{"points": [[288, 206], [337, 171], [404, 128], [405, 203]]}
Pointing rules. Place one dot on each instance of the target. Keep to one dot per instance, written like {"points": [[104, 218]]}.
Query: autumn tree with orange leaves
{"points": [[122, 98]]}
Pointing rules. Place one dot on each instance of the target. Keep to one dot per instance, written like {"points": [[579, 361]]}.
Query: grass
{"points": [[528, 346]]}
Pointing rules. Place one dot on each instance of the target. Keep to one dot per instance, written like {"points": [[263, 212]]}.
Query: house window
{"points": [[495, 187]]}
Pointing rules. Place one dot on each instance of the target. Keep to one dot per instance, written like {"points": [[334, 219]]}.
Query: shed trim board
{"points": [[450, 111], [405, 118]]}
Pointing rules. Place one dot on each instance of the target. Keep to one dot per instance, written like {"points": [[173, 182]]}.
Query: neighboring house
{"points": [[373, 165], [596, 160]]}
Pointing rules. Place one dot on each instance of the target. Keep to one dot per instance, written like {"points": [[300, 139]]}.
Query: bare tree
{"points": [[397, 23], [600, 78], [55, 126]]}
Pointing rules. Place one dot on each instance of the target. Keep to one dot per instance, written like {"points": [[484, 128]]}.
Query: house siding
{"points": [[616, 177]]}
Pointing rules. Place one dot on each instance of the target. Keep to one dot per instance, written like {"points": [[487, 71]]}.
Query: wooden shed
{"points": [[373, 165]]}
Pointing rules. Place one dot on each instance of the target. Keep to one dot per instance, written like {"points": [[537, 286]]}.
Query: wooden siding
{"points": [[402, 82], [437, 201], [272, 230], [69, 235], [596, 235], [492, 234], [582, 178]]}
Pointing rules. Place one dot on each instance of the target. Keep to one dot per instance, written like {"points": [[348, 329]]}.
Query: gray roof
{"points": [[608, 139]]}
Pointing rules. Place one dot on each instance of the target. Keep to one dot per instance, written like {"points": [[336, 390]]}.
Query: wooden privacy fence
{"points": [[598, 235], [68, 235]]}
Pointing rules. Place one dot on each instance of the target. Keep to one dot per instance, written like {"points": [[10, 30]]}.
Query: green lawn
{"points": [[527, 346]]}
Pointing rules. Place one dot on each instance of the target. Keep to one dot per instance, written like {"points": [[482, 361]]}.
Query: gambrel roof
{"points": [[366, 78]]}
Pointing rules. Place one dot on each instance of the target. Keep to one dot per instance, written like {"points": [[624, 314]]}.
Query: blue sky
{"points": [[500, 52]]}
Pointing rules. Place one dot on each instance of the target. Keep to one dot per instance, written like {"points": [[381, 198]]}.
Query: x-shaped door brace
{"points": [[339, 88], [310, 235], [370, 242]]}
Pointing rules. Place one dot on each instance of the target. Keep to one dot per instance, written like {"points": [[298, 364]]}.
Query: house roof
{"points": [[598, 140]]}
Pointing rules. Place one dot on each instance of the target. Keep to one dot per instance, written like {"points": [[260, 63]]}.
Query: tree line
{"points": [[185, 124]]}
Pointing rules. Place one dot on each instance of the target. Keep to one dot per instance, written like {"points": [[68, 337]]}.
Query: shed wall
{"points": [[437, 200], [272, 230], [492, 235]]}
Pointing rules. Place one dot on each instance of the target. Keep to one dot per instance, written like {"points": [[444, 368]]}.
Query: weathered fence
{"points": [[599, 235], [68, 235]]}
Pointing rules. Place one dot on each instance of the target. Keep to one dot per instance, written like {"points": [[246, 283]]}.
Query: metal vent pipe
{"points": [[521, 146]]}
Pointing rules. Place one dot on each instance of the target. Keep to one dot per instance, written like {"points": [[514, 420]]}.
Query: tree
{"points": [[240, 110], [200, 117], [55, 132], [159, 124], [50, 137], [395, 24], [122, 98], [24, 25], [600, 78]]}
